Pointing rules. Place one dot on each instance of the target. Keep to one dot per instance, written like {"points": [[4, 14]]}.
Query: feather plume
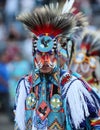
{"points": [[81, 20], [45, 20], [67, 6], [91, 44], [81, 24]]}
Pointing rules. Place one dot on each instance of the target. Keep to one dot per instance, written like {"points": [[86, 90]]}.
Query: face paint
{"points": [[45, 61], [92, 62], [81, 57]]}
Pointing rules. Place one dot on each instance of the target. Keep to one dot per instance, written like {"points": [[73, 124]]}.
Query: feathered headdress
{"points": [[91, 44], [48, 21], [45, 20]]}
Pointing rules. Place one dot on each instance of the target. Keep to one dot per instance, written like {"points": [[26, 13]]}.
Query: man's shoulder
{"points": [[67, 78], [27, 78], [24, 83]]}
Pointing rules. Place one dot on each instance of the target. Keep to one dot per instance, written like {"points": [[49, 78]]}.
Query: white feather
{"points": [[20, 110], [76, 101], [67, 6]]}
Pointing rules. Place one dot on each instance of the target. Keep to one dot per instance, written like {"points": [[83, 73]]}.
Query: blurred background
{"points": [[16, 51]]}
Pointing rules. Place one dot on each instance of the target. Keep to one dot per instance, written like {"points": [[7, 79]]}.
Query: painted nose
{"points": [[46, 57]]}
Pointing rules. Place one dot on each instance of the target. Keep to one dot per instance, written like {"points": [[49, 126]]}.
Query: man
{"points": [[51, 98], [86, 59]]}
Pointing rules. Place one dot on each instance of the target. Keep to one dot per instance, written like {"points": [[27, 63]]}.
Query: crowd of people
{"points": [[16, 59]]}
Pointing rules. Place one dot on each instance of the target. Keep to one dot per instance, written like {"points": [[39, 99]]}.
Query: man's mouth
{"points": [[45, 66]]}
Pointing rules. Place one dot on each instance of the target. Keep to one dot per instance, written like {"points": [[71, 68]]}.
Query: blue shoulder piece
{"points": [[76, 74]]}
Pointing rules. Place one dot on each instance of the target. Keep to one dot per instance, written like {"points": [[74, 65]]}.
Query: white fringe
{"points": [[67, 6], [77, 103], [20, 110]]}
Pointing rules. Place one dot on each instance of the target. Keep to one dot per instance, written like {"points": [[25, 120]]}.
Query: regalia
{"points": [[56, 100]]}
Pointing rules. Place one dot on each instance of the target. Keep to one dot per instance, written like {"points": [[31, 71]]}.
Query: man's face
{"points": [[45, 61]]}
